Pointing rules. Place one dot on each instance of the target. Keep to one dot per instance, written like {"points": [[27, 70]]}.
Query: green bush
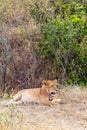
{"points": [[61, 43], [62, 39]]}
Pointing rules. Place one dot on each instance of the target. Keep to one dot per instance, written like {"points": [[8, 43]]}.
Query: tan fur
{"points": [[45, 95]]}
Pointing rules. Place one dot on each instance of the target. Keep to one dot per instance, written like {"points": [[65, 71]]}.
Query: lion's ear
{"points": [[44, 82]]}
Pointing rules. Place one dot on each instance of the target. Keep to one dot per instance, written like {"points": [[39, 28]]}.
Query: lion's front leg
{"points": [[54, 102], [46, 101]]}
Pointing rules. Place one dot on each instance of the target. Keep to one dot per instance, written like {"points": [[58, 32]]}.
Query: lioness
{"points": [[45, 95]]}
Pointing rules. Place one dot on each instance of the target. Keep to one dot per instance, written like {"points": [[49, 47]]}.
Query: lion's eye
{"points": [[53, 93]]}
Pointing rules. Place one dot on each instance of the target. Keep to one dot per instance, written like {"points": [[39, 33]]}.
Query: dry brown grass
{"points": [[72, 115]]}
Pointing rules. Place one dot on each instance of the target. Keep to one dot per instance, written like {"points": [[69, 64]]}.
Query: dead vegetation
{"points": [[72, 115], [18, 61]]}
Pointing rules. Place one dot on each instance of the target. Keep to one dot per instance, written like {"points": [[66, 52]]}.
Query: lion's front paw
{"points": [[57, 100]]}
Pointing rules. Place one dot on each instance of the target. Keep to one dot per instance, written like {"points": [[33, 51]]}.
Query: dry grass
{"points": [[72, 115]]}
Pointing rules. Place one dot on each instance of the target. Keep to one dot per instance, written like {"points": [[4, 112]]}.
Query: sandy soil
{"points": [[71, 115]]}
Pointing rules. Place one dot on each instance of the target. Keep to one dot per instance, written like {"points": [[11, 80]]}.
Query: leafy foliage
{"points": [[61, 40]]}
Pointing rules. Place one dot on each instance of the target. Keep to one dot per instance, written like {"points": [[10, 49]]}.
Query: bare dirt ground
{"points": [[72, 115]]}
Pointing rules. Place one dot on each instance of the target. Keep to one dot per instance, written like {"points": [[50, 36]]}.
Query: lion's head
{"points": [[50, 86]]}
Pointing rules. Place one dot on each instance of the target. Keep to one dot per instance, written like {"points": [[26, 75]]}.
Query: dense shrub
{"points": [[61, 40]]}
